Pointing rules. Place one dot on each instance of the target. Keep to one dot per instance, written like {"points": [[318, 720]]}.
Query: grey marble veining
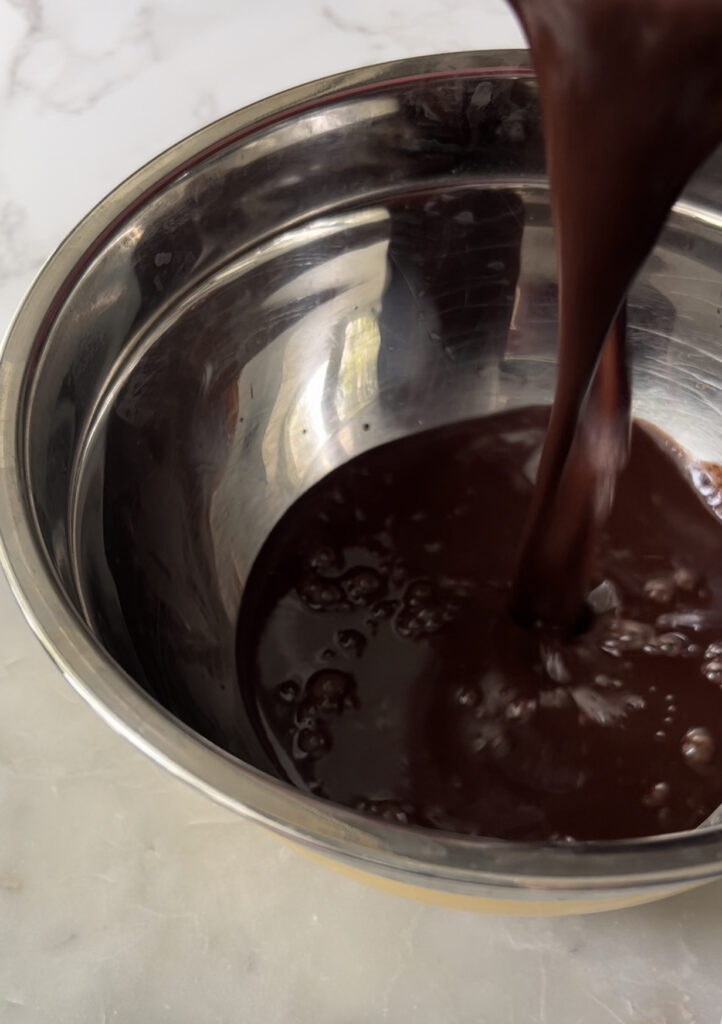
{"points": [[125, 896]]}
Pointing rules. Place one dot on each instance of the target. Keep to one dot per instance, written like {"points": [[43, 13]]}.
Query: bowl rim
{"points": [[437, 859]]}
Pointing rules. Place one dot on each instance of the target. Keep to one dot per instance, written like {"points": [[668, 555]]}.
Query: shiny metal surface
{"points": [[357, 259]]}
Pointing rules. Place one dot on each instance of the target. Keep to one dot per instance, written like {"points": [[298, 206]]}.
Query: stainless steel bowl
{"points": [[348, 262]]}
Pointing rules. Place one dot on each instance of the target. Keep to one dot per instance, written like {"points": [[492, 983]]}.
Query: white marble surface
{"points": [[123, 895]]}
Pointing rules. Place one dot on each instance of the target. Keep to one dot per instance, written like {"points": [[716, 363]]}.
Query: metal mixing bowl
{"points": [[360, 258]]}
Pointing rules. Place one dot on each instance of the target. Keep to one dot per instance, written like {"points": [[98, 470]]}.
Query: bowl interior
{"points": [[356, 270]]}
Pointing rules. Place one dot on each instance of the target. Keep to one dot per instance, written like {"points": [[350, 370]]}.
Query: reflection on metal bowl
{"points": [[360, 258]]}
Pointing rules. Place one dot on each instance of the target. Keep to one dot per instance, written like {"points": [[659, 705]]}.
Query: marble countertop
{"points": [[125, 896]]}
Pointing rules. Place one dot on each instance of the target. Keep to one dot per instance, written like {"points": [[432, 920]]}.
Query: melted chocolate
{"points": [[384, 671], [383, 666], [631, 93]]}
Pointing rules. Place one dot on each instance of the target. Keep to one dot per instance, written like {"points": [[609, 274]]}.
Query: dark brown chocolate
{"points": [[631, 94], [385, 672], [432, 637]]}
